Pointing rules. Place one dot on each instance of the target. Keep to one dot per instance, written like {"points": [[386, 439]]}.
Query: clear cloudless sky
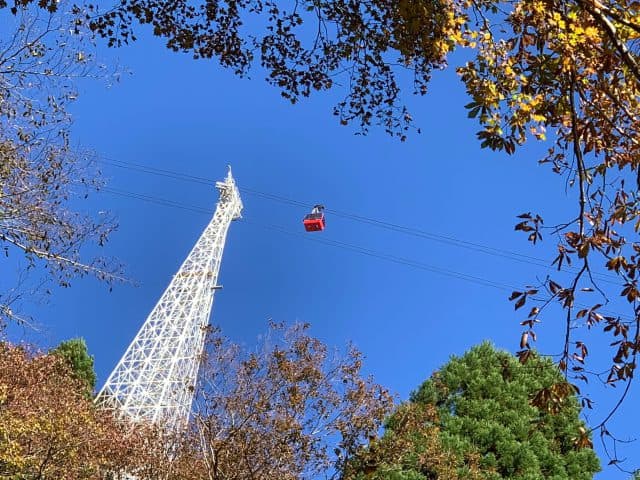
{"points": [[193, 117]]}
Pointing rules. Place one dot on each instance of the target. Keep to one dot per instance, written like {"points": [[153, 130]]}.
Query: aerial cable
{"points": [[391, 258], [352, 216], [335, 243], [156, 200], [445, 239], [343, 245]]}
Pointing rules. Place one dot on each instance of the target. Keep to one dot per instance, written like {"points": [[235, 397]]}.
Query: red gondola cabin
{"points": [[314, 221]]}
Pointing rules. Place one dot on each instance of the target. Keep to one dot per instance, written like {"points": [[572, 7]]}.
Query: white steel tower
{"points": [[154, 381]]}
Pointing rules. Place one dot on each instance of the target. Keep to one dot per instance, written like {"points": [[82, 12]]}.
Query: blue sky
{"points": [[195, 118]]}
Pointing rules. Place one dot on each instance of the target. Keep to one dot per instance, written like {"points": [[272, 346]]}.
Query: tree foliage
{"points": [[43, 53], [484, 415], [290, 410], [411, 449], [50, 429], [75, 352]]}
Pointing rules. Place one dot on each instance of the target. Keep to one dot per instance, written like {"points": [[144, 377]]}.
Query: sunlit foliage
{"points": [[483, 416], [43, 54], [50, 428], [289, 410]]}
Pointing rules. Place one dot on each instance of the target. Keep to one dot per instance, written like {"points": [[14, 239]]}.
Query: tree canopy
{"points": [[484, 415], [50, 428], [75, 352], [43, 54], [290, 410], [411, 449]]}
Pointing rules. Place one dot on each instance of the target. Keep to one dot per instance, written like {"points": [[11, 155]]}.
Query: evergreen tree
{"points": [[492, 415], [75, 352]]}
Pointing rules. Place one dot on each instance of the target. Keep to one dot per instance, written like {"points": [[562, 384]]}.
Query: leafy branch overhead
{"points": [[43, 53], [310, 46], [531, 56]]}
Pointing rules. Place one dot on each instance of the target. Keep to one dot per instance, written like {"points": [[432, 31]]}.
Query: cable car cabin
{"points": [[314, 221]]}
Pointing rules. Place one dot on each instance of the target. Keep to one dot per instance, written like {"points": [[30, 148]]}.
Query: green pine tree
{"points": [[76, 353], [499, 418]]}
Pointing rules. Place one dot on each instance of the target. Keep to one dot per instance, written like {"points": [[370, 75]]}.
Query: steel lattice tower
{"points": [[154, 380]]}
